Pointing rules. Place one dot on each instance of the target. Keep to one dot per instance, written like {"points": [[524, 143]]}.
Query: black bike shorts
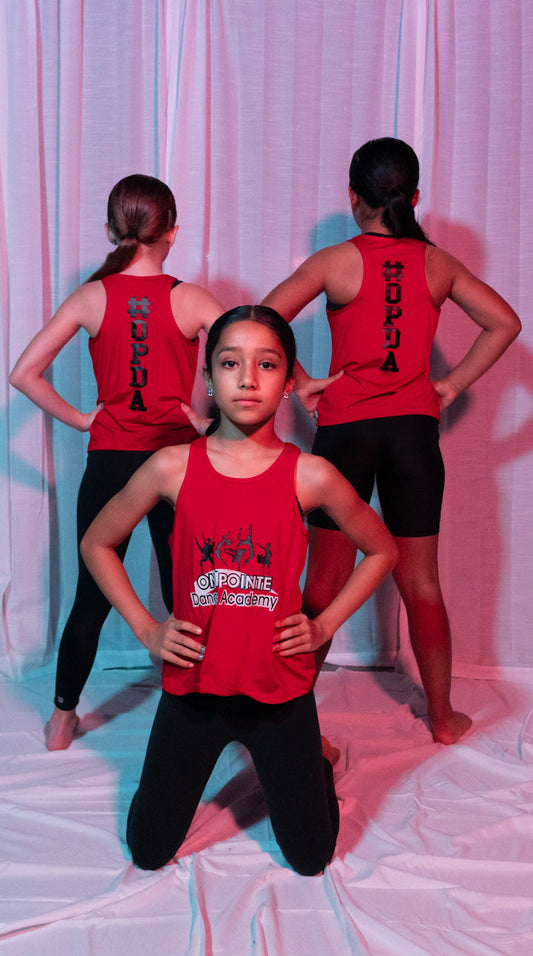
{"points": [[401, 454]]}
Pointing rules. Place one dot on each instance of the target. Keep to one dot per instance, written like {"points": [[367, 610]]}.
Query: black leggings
{"points": [[187, 737], [106, 473]]}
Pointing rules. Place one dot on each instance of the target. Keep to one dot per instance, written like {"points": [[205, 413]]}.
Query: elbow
{"points": [[394, 554], [387, 556], [15, 379], [21, 379], [390, 555], [85, 548], [512, 327], [517, 328]]}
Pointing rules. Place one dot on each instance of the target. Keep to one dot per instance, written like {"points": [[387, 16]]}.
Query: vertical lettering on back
{"points": [[392, 273], [139, 348]]}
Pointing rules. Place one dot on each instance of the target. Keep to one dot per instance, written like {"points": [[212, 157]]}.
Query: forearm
{"points": [[301, 377], [112, 579], [44, 395], [294, 293], [487, 348], [359, 587], [280, 300]]}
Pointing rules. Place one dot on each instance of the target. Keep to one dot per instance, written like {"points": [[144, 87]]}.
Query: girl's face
{"points": [[249, 373]]}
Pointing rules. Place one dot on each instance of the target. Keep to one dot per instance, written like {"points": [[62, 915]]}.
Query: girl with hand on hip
{"points": [[238, 651], [143, 338], [378, 421]]}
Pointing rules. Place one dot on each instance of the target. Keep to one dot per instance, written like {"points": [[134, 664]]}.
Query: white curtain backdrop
{"points": [[251, 110]]}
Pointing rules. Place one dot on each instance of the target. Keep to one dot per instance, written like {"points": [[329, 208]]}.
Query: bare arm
{"points": [[320, 485], [83, 309], [291, 296], [159, 478], [294, 293], [498, 321], [194, 309]]}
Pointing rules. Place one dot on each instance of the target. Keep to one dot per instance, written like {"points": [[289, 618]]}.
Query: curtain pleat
{"points": [[251, 110]]}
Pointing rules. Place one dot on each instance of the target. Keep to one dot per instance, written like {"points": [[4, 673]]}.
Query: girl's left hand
{"points": [[298, 634]]}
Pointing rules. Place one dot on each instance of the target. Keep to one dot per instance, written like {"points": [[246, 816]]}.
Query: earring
{"points": [[210, 392], [286, 394]]}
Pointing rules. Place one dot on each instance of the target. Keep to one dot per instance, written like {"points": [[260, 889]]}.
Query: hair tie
{"points": [[396, 193]]}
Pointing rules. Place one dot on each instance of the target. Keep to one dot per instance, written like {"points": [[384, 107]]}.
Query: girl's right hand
{"points": [[171, 640], [446, 391], [310, 390], [197, 421]]}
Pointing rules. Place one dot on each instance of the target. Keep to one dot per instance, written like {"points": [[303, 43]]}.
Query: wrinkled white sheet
{"points": [[434, 858]]}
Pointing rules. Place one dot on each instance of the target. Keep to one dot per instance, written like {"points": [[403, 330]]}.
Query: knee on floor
{"points": [[145, 859], [308, 860]]}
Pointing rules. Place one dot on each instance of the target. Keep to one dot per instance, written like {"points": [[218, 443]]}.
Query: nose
{"points": [[247, 377]]}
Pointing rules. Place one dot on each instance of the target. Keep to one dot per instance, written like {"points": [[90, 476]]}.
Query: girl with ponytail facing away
{"points": [[143, 339], [378, 421]]}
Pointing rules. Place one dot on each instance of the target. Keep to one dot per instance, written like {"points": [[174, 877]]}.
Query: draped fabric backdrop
{"points": [[251, 110]]}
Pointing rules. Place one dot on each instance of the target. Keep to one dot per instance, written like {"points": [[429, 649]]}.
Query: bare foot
{"points": [[330, 752], [61, 729], [450, 728]]}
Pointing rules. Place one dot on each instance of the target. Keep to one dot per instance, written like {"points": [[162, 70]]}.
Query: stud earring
{"points": [[210, 392], [286, 394]]}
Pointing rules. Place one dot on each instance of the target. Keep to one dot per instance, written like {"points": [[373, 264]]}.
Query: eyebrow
{"points": [[235, 348]]}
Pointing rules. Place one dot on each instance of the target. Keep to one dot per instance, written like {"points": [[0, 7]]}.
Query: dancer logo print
{"points": [[232, 586]]}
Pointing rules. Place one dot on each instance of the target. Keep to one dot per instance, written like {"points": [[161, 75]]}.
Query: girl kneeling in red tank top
{"points": [[238, 652]]}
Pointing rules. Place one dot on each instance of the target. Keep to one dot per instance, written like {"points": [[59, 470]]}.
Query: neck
{"points": [[373, 224], [243, 453], [369, 220], [246, 439], [147, 261]]}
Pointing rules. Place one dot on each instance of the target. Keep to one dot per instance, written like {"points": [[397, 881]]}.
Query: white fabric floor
{"points": [[434, 858]]}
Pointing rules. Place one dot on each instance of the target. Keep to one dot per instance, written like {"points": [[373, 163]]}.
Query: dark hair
{"points": [[384, 173], [140, 209], [261, 314]]}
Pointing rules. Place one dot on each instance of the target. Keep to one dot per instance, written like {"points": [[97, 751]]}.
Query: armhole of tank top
{"points": [[93, 338], [425, 278], [196, 447], [336, 306], [194, 341], [298, 505], [186, 474]]}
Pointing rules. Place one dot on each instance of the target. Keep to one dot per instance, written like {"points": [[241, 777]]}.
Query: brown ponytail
{"points": [[140, 209]]}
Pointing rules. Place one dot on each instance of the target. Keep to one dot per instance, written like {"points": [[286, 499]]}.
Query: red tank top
{"points": [[143, 365], [383, 337], [238, 550]]}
